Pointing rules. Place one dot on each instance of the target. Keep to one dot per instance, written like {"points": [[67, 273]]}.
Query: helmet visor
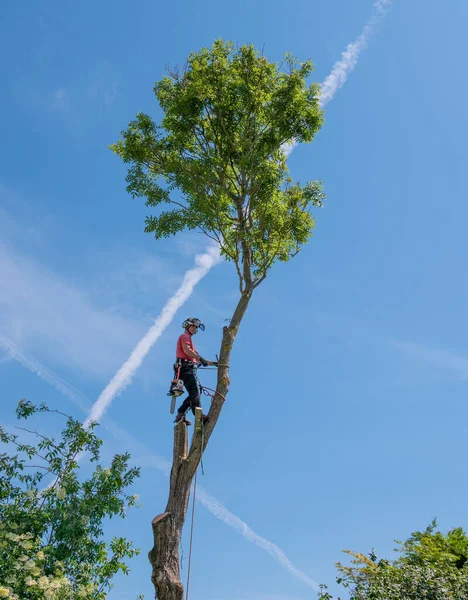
{"points": [[198, 324]]}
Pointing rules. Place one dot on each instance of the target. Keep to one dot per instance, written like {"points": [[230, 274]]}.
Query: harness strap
{"points": [[180, 363]]}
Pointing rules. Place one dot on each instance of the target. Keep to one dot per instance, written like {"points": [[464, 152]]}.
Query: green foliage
{"points": [[51, 537], [433, 547], [431, 565], [226, 119]]}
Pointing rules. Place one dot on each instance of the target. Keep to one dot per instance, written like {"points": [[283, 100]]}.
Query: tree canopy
{"points": [[431, 565], [217, 158], [52, 542]]}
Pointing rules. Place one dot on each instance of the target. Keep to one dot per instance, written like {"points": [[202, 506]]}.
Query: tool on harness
{"points": [[177, 386]]}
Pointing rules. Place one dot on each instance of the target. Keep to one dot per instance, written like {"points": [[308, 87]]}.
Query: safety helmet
{"points": [[193, 321]]}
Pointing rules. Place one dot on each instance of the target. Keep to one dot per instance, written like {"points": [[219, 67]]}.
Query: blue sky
{"points": [[345, 425]]}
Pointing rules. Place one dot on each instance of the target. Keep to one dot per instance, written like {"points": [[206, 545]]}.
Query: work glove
{"points": [[203, 361]]}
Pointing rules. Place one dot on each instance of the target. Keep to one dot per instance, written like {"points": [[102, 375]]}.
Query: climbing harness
{"points": [[177, 385]]}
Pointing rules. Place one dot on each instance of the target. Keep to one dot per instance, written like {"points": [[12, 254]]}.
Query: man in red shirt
{"points": [[187, 358]]}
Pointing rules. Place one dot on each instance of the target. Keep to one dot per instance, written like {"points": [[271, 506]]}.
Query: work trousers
{"points": [[187, 374]]}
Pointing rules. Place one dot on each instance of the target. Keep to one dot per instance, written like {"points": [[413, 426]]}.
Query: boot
{"points": [[205, 419], [181, 417]]}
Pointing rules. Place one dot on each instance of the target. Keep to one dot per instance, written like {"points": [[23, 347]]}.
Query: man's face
{"points": [[193, 329]]}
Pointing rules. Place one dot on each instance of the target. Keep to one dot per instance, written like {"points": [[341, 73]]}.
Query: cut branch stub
{"points": [[196, 445], [180, 442]]}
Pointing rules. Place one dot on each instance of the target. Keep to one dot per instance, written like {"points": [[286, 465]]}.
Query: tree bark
{"points": [[167, 527]]}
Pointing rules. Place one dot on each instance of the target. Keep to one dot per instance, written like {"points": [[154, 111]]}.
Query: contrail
{"points": [[124, 375], [43, 372], [223, 514], [349, 57], [159, 462]]}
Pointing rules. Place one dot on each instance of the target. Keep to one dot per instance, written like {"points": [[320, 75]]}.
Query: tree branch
{"points": [[17, 444], [36, 433]]}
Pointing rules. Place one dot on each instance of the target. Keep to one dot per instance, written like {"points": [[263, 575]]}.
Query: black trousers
{"points": [[187, 374]]}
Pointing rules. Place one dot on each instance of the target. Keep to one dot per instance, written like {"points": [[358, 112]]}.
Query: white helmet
{"points": [[193, 321]]}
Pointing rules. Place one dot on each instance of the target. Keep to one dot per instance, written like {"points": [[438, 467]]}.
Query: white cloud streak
{"points": [[125, 374], [33, 365], [70, 325], [159, 462], [223, 514], [349, 57], [348, 61]]}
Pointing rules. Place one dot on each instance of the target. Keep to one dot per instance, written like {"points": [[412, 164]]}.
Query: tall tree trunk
{"points": [[167, 527]]}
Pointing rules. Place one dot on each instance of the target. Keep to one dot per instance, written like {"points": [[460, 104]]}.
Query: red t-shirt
{"points": [[185, 338]]}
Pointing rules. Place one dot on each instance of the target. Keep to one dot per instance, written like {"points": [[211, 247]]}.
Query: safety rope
{"points": [[193, 507], [213, 394], [191, 536]]}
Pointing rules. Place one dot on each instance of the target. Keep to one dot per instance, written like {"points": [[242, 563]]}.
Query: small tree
{"points": [[431, 565], [217, 163], [52, 539]]}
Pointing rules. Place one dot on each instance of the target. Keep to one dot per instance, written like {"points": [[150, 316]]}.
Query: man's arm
{"points": [[189, 352]]}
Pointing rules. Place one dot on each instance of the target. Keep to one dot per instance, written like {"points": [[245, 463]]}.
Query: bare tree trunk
{"points": [[167, 527]]}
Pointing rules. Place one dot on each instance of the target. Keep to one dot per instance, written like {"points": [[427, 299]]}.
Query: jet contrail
{"points": [[43, 372], [124, 375], [159, 462], [223, 514], [349, 57]]}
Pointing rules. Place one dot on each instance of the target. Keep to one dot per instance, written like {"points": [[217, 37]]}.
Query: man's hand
{"points": [[206, 363]]}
